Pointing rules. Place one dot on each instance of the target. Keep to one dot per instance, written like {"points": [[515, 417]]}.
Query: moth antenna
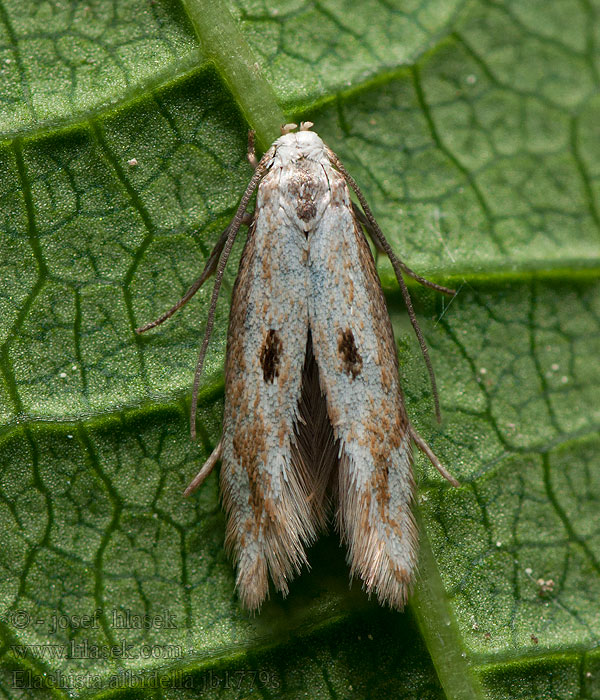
{"points": [[428, 452], [209, 268], [306, 126], [287, 128], [382, 240], [358, 212], [232, 231]]}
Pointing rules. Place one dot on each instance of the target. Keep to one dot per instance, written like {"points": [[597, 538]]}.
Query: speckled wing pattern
{"points": [[270, 514], [312, 400], [355, 352]]}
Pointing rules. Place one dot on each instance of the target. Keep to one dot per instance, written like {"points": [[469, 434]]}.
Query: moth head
{"points": [[288, 128], [294, 146]]}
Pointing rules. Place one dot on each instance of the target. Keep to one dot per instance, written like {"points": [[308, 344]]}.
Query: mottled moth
{"points": [[314, 418]]}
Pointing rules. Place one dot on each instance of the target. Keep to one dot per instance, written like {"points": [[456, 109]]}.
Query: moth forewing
{"points": [[356, 355], [312, 396], [270, 514]]}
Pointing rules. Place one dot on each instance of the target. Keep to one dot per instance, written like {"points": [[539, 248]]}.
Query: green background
{"points": [[473, 128]]}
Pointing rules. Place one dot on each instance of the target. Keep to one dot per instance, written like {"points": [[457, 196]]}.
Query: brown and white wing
{"points": [[266, 492], [355, 352]]}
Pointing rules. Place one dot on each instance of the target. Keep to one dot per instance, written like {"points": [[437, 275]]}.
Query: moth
{"points": [[314, 417]]}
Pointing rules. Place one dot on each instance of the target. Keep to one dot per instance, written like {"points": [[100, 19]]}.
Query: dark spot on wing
{"points": [[270, 356], [351, 358]]}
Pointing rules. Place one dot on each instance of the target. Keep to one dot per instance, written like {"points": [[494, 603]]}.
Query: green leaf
{"points": [[472, 129]]}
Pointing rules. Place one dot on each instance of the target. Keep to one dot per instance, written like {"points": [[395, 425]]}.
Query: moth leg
{"points": [[207, 468], [428, 452], [209, 269], [366, 224]]}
